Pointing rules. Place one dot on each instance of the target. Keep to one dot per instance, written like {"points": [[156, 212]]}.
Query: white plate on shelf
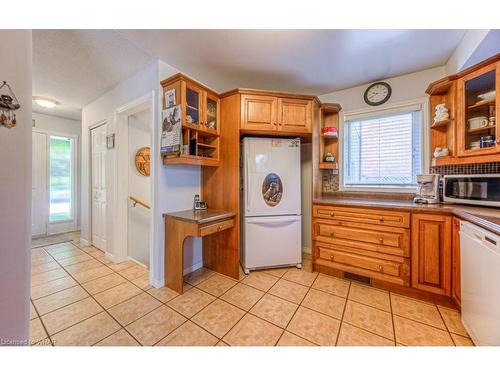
{"points": [[488, 95]]}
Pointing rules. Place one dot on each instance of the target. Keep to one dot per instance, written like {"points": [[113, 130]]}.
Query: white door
{"points": [[39, 185], [98, 146], [139, 186], [272, 176]]}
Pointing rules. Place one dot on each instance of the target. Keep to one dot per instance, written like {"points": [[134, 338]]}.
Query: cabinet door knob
{"points": [[219, 227], [381, 218], [381, 268], [332, 258], [332, 214], [381, 240]]}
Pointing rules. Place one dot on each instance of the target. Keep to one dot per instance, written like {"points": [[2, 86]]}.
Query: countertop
{"points": [[486, 217], [200, 216]]}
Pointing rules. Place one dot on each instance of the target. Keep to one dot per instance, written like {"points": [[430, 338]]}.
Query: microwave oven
{"points": [[476, 189]]}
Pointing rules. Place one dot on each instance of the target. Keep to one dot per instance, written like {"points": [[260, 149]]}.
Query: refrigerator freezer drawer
{"points": [[272, 241]]}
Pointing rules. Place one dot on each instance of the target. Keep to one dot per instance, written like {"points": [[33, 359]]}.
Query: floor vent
{"points": [[358, 278]]}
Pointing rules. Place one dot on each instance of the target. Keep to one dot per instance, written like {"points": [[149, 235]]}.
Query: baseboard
{"points": [[84, 242], [157, 283], [306, 249], [194, 267]]}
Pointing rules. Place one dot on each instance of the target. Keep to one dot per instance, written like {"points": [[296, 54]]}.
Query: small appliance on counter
{"points": [[199, 205], [477, 189], [428, 189]]}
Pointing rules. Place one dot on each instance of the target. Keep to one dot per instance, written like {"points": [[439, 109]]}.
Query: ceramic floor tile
{"points": [[92, 274], [189, 334], [74, 260], [48, 276], [302, 277], [260, 280], [218, 317], [123, 265], [120, 338], [134, 272], [196, 277], [369, 318], [461, 341], [53, 286], [315, 327], [37, 332], [83, 266], [276, 272], [69, 253], [142, 282], [117, 294], [274, 310], [41, 258], [151, 328], [243, 296], [409, 332], [420, 311], [134, 308], [163, 294], [96, 253], [103, 283], [353, 336], [105, 260], [289, 290], [325, 303], [44, 267], [370, 296], [88, 332], [217, 285], [192, 301], [57, 300], [289, 339], [253, 331], [64, 317], [221, 343], [332, 285], [453, 321], [33, 313], [59, 248]]}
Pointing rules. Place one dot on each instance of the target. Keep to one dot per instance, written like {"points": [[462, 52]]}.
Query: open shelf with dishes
{"points": [[328, 136], [200, 112]]}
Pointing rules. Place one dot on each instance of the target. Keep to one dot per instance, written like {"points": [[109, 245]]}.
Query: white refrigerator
{"points": [[271, 218]]}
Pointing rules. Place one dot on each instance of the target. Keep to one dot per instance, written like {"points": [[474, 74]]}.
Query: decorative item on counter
{"points": [[8, 104], [330, 131], [142, 161], [477, 122], [441, 113], [329, 158], [440, 151]]}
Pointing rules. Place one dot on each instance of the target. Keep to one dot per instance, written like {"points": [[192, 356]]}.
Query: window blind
{"points": [[383, 151]]}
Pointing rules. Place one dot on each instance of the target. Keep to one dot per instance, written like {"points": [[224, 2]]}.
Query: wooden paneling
{"points": [[431, 253], [295, 115], [259, 112], [455, 262], [363, 215], [221, 189]]}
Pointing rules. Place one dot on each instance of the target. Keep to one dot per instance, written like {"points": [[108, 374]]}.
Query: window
{"points": [[383, 151], [60, 178]]}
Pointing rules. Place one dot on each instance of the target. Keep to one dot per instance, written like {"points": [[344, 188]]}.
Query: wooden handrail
{"points": [[137, 201]]}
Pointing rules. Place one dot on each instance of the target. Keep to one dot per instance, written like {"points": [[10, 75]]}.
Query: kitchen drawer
{"points": [[216, 227], [363, 215], [331, 256], [377, 238]]}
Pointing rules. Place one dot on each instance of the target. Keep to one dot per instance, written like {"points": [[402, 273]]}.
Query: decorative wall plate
{"points": [[142, 161], [272, 189]]}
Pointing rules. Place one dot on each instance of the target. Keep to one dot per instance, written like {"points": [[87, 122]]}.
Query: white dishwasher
{"points": [[480, 283]]}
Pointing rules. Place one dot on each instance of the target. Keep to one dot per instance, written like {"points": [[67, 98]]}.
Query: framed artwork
{"points": [[170, 98], [110, 141]]}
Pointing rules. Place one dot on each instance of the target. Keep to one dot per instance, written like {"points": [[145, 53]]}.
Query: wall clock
{"points": [[377, 93]]}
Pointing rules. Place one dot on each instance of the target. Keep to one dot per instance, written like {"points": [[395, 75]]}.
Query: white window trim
{"points": [[385, 110]]}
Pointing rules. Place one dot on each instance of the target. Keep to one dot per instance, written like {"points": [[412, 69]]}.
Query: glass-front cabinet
{"points": [[211, 111], [477, 125], [193, 104]]}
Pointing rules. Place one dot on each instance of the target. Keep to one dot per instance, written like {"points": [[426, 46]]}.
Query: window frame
{"points": [[386, 110]]}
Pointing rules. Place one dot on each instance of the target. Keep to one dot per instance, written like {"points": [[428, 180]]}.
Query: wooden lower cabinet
{"points": [[431, 253], [455, 262]]}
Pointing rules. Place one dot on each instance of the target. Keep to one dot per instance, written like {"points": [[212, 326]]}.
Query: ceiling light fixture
{"points": [[45, 102]]}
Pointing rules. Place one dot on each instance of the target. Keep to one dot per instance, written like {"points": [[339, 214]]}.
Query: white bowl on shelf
{"points": [[487, 95]]}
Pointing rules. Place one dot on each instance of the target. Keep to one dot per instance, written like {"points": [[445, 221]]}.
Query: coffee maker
{"points": [[428, 189]]}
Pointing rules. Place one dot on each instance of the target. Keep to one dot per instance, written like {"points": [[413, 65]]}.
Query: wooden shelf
{"points": [[326, 165], [329, 136], [441, 124], [192, 160], [204, 145], [480, 130], [191, 107], [201, 129], [482, 103]]}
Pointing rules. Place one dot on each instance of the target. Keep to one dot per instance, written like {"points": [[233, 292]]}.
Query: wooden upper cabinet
{"points": [[295, 115], [259, 112], [431, 253]]}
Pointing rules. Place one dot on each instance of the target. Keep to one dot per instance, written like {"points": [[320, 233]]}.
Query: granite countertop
{"points": [[200, 216], [486, 217]]}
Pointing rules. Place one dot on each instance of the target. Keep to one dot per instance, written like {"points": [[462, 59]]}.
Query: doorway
{"points": [[99, 200]]}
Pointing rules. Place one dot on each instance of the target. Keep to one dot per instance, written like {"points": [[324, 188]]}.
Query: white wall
{"points": [[469, 43], [65, 126], [15, 192]]}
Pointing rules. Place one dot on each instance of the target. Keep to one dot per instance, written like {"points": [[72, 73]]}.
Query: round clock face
{"points": [[378, 93]]}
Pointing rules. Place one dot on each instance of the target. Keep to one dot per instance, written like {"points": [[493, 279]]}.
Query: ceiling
{"points": [[77, 66]]}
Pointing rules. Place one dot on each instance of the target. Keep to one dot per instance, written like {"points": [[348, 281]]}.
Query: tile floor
{"points": [[80, 298]]}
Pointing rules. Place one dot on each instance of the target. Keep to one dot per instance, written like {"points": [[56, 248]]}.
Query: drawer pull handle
{"points": [[332, 214], [381, 240], [380, 268], [332, 258], [219, 227], [381, 219]]}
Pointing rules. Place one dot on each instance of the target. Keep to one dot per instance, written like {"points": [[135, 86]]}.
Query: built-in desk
{"points": [[190, 223]]}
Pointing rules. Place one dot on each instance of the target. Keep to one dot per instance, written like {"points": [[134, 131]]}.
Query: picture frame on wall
{"points": [[171, 131], [110, 141], [170, 98]]}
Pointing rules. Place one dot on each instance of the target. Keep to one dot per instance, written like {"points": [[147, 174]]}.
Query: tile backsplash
{"points": [[330, 181], [479, 168]]}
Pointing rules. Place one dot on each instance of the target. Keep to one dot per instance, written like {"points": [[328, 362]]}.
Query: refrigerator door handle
{"points": [[247, 182], [273, 220]]}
